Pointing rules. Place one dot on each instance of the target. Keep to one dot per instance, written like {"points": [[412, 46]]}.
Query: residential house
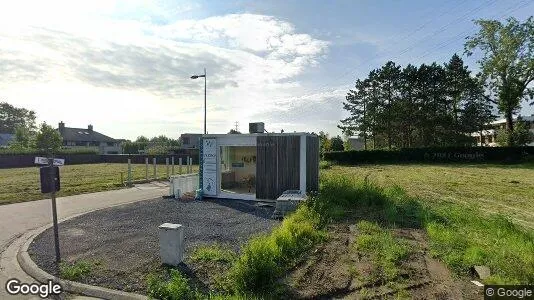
{"points": [[190, 140], [88, 138], [487, 137], [5, 139]]}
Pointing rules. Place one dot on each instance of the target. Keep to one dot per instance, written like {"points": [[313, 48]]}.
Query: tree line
{"points": [[441, 105]]}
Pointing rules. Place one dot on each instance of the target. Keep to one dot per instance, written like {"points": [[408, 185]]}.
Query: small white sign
{"points": [[44, 161]]}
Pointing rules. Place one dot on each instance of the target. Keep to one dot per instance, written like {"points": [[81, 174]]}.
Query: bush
{"points": [[175, 288], [435, 154]]}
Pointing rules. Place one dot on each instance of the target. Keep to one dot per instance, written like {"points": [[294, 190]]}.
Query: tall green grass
{"points": [[264, 259]]}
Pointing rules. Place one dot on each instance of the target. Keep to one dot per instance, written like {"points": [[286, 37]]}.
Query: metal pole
{"points": [[172, 163], [205, 108], [180, 165], [146, 168], [54, 210], [129, 172], [155, 168], [167, 166]]}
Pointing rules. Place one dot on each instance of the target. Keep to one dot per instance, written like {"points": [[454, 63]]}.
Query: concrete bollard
{"points": [[187, 165], [155, 168], [172, 163], [167, 167], [146, 168], [171, 243], [180, 166], [129, 172]]}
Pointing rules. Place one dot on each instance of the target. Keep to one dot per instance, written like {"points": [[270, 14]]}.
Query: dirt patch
{"points": [[336, 269]]}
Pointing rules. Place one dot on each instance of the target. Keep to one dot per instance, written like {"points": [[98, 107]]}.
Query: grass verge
{"points": [[216, 253], [386, 251], [459, 236], [75, 271]]}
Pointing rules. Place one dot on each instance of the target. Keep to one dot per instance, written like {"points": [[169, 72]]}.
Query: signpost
{"points": [[51, 185]]}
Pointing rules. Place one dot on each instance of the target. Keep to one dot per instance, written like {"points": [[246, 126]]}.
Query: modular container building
{"points": [[258, 166]]}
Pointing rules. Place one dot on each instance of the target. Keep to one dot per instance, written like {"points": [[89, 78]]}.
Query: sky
{"points": [[125, 66]]}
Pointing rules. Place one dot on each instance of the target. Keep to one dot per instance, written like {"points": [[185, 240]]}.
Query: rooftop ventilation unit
{"points": [[258, 127]]}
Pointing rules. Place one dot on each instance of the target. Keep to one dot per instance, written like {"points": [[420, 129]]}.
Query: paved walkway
{"points": [[18, 218]]}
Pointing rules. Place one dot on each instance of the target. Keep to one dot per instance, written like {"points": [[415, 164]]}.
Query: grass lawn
{"points": [[503, 189], [22, 184]]}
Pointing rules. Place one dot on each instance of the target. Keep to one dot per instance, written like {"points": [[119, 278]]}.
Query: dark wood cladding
{"points": [[277, 165], [312, 163]]}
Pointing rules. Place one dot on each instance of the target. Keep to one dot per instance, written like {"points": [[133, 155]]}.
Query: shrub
{"points": [[175, 288]]}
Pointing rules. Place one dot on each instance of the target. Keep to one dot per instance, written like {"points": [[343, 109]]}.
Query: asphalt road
{"points": [[15, 219]]}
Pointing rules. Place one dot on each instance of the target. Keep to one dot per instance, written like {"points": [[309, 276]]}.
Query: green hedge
{"points": [[436, 154], [8, 151]]}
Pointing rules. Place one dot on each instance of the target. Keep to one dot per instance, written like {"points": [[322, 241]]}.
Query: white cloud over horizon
{"points": [[128, 77]]}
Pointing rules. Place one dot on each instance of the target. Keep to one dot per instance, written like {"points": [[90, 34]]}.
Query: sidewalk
{"points": [[18, 218]]}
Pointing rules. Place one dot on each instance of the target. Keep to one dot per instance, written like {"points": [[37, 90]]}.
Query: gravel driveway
{"points": [[123, 240]]}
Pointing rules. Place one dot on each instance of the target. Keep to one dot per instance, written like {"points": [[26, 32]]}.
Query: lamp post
{"points": [[195, 77]]}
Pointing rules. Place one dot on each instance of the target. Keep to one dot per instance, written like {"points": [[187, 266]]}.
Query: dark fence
{"points": [[429, 155], [20, 161]]}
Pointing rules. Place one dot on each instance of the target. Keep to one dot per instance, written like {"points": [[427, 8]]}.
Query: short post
{"points": [[167, 166], [172, 163], [171, 243], [146, 168], [155, 168], [180, 165], [187, 164], [129, 172]]}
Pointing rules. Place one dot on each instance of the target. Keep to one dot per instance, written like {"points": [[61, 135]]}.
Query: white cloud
{"points": [[110, 72]]}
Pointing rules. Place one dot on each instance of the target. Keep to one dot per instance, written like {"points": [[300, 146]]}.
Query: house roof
{"points": [[84, 135], [5, 138]]}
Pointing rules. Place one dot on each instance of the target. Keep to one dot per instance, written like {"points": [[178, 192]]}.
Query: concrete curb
{"points": [[29, 266]]}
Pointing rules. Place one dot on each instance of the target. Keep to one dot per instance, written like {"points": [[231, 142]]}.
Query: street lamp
{"points": [[195, 77]]}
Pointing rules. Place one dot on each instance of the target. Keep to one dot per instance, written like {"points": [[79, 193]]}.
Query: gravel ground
{"points": [[122, 242]]}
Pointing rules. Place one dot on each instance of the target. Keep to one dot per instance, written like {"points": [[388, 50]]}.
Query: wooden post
{"points": [[146, 168], [180, 165], [155, 168], [167, 166], [172, 163], [129, 172]]}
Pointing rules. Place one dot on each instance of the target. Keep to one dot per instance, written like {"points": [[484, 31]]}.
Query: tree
{"points": [[13, 117], [24, 139], [507, 63], [337, 144], [324, 143], [233, 131], [48, 139], [520, 136]]}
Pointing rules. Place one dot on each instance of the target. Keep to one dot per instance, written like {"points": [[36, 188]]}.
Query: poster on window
{"points": [[209, 167]]}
